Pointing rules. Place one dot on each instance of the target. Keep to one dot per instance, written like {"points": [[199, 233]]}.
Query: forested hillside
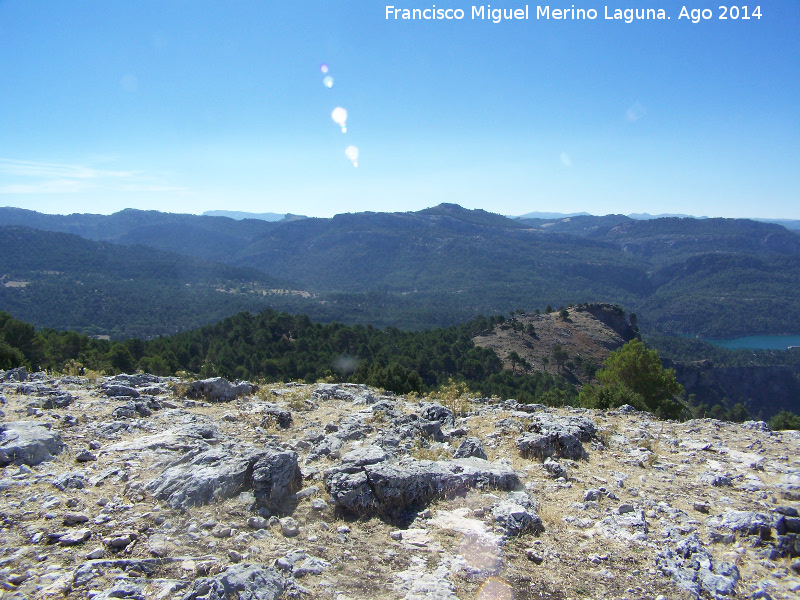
{"points": [[64, 281], [709, 277]]}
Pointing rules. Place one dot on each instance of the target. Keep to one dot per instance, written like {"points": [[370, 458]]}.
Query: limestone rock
{"points": [[385, 486], [218, 389], [28, 443], [243, 581]]}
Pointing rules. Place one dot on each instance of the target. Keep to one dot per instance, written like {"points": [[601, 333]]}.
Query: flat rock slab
{"points": [[385, 487], [226, 471], [28, 443], [218, 389]]}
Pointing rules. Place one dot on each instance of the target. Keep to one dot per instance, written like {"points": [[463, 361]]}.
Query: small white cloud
{"points": [[566, 160], [130, 83], [61, 178], [635, 112]]}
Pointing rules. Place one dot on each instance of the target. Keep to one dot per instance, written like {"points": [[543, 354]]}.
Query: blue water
{"points": [[758, 342]]}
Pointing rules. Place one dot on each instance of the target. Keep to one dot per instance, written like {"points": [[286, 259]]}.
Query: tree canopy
{"points": [[634, 375]]}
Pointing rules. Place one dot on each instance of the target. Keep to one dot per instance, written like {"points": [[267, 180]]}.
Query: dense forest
{"points": [[717, 278], [272, 346]]}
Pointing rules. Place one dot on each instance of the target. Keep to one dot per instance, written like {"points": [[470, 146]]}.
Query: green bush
{"points": [[634, 375], [784, 420]]}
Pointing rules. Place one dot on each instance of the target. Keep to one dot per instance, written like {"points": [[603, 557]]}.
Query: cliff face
{"points": [[764, 391], [146, 487]]}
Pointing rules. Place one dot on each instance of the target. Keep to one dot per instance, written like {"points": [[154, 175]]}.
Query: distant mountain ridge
{"points": [[238, 215], [446, 264]]}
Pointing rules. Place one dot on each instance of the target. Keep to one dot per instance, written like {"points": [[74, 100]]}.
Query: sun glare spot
{"points": [[352, 153], [495, 589], [339, 116]]}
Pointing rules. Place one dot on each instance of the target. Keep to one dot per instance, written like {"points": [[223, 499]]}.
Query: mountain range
{"points": [[442, 265]]}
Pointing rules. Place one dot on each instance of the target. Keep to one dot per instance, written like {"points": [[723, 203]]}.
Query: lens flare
{"points": [[352, 153], [324, 68], [339, 116], [495, 589], [328, 82]]}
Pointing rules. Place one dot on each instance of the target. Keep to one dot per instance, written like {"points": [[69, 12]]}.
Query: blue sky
{"points": [[188, 106]]}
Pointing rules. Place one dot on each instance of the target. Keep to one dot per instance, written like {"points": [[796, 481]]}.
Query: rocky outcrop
{"points": [[218, 389], [226, 471], [246, 582], [28, 443], [384, 487], [556, 436], [191, 499]]}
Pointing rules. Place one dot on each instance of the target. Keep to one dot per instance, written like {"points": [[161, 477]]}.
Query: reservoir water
{"points": [[758, 342]]}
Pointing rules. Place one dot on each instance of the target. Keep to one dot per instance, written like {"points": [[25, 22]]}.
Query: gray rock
{"points": [[56, 399], [338, 391], [437, 412], [360, 457], [389, 487], [257, 523], [311, 566], [19, 374], [715, 479], [224, 472], [330, 445], [280, 415], [29, 443], [70, 481], [157, 545], [470, 447], [218, 389], [559, 436], [75, 519], [555, 469], [276, 478], [545, 445], [747, 523], [70, 538], [138, 379], [289, 527], [85, 456], [516, 515], [123, 589], [757, 426], [693, 569], [113, 390]]}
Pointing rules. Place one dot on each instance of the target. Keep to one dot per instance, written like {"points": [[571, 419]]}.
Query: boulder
{"points": [[218, 389], [470, 447], [386, 487], [115, 390], [516, 514], [18, 374], [243, 581], [281, 416], [275, 479], [437, 412], [557, 436], [224, 472], [28, 442]]}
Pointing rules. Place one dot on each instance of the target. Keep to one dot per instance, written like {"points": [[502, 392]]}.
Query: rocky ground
{"points": [[146, 487]]}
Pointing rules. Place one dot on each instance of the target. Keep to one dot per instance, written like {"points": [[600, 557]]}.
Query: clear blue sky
{"points": [[188, 106]]}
